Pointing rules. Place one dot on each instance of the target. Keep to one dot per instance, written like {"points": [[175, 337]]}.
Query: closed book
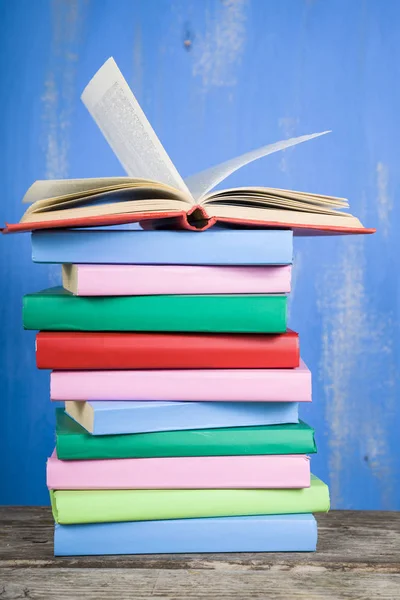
{"points": [[137, 280], [63, 350], [208, 472], [107, 418], [105, 506], [75, 443], [272, 533], [237, 385], [57, 309], [217, 247]]}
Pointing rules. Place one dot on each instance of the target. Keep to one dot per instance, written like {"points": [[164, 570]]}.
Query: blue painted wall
{"points": [[218, 78]]}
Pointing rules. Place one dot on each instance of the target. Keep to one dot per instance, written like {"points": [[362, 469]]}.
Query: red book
{"points": [[155, 195], [97, 350]]}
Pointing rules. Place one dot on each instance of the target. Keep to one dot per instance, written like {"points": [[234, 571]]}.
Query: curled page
{"points": [[201, 183], [116, 111], [51, 188]]}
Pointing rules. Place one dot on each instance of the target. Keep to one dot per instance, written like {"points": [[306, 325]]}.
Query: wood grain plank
{"points": [[304, 583], [348, 541]]}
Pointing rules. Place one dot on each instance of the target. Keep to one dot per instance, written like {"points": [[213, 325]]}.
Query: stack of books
{"points": [[181, 383], [169, 346]]}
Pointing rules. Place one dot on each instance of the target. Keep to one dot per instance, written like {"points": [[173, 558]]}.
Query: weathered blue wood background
{"points": [[217, 78]]}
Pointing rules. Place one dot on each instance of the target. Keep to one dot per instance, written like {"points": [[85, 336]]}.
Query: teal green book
{"points": [[56, 309], [75, 443], [110, 506]]}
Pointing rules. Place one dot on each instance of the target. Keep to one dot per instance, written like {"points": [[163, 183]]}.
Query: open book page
{"points": [[117, 194], [134, 187], [281, 217], [201, 183], [98, 210], [116, 111], [267, 202], [53, 188], [319, 200], [275, 198]]}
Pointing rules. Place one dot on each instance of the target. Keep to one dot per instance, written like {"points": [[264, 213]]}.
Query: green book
{"points": [[103, 506], [75, 443], [56, 309]]}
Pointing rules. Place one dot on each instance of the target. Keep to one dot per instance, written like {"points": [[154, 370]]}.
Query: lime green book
{"points": [[73, 442], [106, 506], [56, 309]]}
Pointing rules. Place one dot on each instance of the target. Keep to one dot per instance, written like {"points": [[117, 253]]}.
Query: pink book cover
{"points": [[212, 472], [241, 385], [135, 280]]}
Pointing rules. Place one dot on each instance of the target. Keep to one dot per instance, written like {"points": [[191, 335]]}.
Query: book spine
{"points": [[286, 533], [180, 473], [84, 446], [127, 280], [107, 351], [80, 447], [74, 443], [236, 385], [232, 248], [102, 506], [180, 416], [208, 313]]}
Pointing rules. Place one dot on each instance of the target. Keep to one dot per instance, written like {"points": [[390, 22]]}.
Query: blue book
{"points": [[273, 533], [212, 247], [114, 417]]}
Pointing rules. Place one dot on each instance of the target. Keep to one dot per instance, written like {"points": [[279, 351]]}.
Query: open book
{"points": [[155, 194]]}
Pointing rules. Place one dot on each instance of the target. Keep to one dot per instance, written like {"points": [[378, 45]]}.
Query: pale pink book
{"points": [[253, 385], [273, 471], [137, 280]]}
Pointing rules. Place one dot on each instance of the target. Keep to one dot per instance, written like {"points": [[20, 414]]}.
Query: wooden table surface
{"points": [[358, 557]]}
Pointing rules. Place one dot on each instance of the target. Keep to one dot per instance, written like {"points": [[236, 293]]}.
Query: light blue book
{"points": [[212, 247], [114, 417], [273, 533]]}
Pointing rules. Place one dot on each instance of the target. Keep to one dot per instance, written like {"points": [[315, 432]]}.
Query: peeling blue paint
{"points": [[217, 78]]}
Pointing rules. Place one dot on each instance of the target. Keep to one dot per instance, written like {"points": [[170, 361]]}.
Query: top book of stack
{"points": [[155, 194]]}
